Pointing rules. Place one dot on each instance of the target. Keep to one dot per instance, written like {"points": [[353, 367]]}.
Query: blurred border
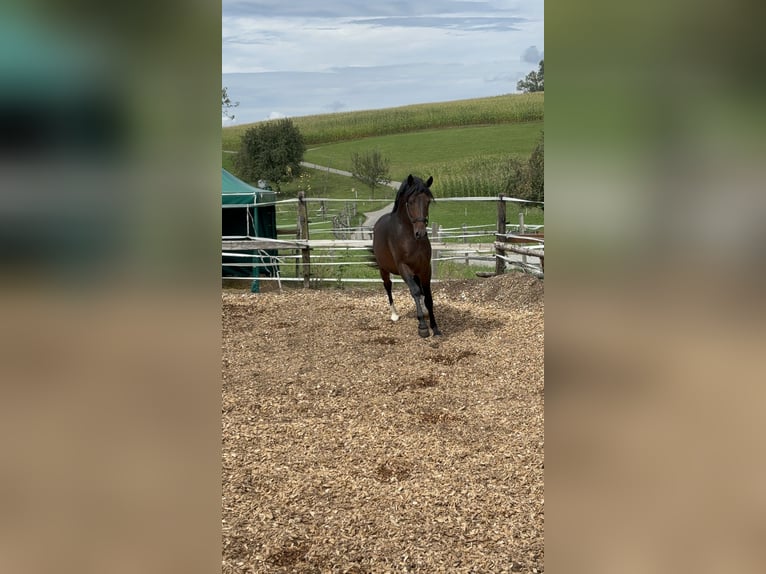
{"points": [[109, 286], [654, 283]]}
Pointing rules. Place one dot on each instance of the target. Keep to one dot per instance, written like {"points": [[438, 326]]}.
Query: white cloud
{"points": [[304, 58], [531, 55]]}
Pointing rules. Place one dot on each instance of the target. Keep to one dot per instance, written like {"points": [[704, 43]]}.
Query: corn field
{"points": [[329, 128], [483, 176]]}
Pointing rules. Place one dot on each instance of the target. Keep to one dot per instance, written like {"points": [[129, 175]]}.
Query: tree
{"points": [[371, 168], [534, 82], [227, 104], [271, 150]]}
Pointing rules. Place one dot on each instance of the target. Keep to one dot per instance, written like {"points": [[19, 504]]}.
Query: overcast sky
{"points": [[294, 58]]}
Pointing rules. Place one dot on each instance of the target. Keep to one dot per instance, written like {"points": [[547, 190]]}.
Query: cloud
{"points": [[532, 55], [305, 58], [276, 116], [346, 9], [465, 23], [336, 106], [364, 88], [503, 78]]}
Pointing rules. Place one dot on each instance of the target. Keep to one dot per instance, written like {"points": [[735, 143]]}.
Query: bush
{"points": [[526, 180], [272, 151]]}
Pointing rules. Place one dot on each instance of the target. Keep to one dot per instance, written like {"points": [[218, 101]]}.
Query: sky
{"points": [[295, 58]]}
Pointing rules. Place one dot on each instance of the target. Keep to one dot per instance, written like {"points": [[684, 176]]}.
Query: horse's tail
{"points": [[370, 259]]}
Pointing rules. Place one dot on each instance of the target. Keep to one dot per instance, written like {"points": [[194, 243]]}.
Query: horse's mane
{"points": [[406, 188], [399, 195]]}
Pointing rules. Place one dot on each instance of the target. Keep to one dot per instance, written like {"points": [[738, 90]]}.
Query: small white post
{"points": [[522, 230], [435, 254]]}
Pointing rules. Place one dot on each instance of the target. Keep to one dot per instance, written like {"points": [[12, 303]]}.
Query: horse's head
{"points": [[413, 199]]}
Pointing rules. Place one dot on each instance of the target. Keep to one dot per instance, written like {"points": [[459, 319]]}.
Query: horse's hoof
{"points": [[424, 332], [437, 333]]}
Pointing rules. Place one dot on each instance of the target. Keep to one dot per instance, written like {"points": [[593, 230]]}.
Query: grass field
{"points": [[463, 161], [416, 151]]}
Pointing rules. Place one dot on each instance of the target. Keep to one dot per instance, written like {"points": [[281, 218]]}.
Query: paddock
{"points": [[350, 444]]}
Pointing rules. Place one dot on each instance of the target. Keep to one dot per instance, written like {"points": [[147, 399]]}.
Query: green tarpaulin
{"points": [[234, 191], [247, 212]]}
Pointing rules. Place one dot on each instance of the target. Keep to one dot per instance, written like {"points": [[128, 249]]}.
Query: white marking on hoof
{"points": [[394, 314]]}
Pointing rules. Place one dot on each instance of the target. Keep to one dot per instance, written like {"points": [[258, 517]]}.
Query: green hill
{"points": [[442, 151], [464, 144]]}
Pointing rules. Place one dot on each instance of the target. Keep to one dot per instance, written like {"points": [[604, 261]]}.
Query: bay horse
{"points": [[401, 246]]}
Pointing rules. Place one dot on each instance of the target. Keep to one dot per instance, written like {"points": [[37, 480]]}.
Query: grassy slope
{"points": [[436, 151], [416, 151]]}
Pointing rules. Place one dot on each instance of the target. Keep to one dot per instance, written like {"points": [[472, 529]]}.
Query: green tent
{"points": [[247, 212]]}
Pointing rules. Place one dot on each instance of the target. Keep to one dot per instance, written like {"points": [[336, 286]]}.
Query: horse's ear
{"points": [[409, 179], [430, 181]]}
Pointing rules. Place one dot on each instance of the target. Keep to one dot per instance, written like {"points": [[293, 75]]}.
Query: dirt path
{"points": [[373, 216], [392, 184]]}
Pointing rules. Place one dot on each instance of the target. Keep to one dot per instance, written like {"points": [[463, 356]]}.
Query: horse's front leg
{"points": [[417, 293], [386, 276]]}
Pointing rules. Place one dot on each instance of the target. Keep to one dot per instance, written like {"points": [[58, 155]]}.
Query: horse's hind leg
{"points": [[422, 296], [386, 276]]}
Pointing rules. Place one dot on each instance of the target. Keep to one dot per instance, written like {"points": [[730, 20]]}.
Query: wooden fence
{"points": [[507, 245]]}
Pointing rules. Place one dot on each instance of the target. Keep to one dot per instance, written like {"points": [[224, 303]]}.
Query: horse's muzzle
{"points": [[421, 233]]}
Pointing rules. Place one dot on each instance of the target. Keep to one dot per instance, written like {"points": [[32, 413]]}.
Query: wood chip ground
{"points": [[352, 445]]}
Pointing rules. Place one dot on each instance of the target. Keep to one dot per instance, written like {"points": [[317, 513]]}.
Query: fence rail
{"points": [[312, 258]]}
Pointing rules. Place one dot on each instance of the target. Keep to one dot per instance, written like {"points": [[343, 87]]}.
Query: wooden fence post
{"points": [[303, 233], [500, 263]]}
